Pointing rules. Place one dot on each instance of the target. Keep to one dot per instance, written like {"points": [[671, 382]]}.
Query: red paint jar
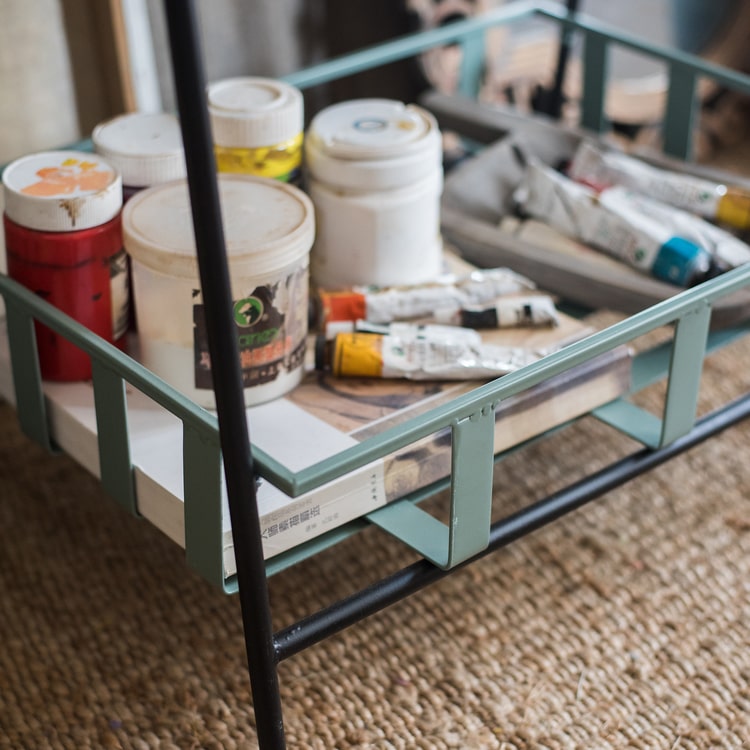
{"points": [[63, 241]]}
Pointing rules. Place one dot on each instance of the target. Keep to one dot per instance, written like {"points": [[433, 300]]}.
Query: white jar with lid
{"points": [[146, 148], [374, 173], [268, 229], [257, 127]]}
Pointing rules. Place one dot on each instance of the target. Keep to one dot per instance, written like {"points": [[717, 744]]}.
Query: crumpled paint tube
{"points": [[387, 304], [728, 250], [727, 204], [613, 226], [514, 311], [416, 353]]}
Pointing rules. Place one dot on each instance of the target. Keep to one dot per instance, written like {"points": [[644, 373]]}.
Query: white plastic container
{"points": [[145, 147], [374, 173], [269, 228]]}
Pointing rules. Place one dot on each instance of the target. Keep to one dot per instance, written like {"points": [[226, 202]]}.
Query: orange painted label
{"points": [[69, 177]]}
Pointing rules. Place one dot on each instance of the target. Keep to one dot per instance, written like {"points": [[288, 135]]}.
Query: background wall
{"points": [[59, 59], [37, 106]]}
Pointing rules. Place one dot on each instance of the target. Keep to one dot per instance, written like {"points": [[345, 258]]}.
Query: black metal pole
{"points": [[190, 87], [412, 578], [550, 101]]}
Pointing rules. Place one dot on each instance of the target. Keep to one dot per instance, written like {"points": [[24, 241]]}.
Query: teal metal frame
{"points": [[468, 534], [470, 417]]}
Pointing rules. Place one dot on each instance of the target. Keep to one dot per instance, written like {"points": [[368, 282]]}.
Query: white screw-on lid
{"points": [[373, 144], [267, 225], [372, 129], [61, 191], [254, 112], [145, 147]]}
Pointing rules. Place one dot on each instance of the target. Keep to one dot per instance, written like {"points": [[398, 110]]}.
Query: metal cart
{"points": [[219, 444]]}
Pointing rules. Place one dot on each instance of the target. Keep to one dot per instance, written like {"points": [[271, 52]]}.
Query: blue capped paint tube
{"points": [[615, 226], [727, 249]]}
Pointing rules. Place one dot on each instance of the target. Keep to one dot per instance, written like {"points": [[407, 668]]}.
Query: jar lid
{"points": [[61, 191], [267, 225], [372, 129], [145, 147], [254, 112]]}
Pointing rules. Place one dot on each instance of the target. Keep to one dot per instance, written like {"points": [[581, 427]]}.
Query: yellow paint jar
{"points": [[257, 127]]}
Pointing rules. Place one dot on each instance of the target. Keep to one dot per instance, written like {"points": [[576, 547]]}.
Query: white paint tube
{"points": [[386, 304], [614, 227], [514, 311], [726, 204], [431, 331], [603, 169], [408, 353], [728, 250]]}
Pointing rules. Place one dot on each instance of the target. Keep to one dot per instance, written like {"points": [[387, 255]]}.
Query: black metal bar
{"points": [[234, 436], [550, 101], [407, 581]]}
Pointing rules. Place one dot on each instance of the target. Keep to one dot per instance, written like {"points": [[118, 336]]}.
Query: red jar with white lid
{"points": [[63, 241]]}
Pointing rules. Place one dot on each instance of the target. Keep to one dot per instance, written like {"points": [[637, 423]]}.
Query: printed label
{"points": [[119, 284], [271, 329]]}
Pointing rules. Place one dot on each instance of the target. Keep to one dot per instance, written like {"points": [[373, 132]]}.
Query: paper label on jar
{"points": [[271, 328]]}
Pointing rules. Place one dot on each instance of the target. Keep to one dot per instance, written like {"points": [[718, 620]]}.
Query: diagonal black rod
{"points": [[550, 101], [190, 87], [403, 583]]}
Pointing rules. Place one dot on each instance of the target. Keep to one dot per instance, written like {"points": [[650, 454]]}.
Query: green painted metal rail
{"points": [[470, 417]]}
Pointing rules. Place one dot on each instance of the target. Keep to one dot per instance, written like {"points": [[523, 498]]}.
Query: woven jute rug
{"points": [[626, 624]]}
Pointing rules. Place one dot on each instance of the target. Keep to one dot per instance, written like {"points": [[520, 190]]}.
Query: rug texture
{"points": [[624, 625]]}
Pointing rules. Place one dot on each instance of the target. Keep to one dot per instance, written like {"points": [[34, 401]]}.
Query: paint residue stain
{"points": [[72, 176], [72, 206]]}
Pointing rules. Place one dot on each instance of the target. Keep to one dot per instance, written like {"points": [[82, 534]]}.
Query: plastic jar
{"points": [[257, 126], [268, 229], [64, 242], [146, 148], [375, 177]]}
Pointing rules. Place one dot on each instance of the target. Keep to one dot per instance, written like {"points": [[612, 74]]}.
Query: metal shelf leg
{"points": [[235, 441]]}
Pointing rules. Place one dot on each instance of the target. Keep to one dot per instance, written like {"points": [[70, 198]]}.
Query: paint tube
{"points": [[406, 352], [386, 304], [726, 204], [612, 226], [535, 310], [432, 331], [728, 250]]}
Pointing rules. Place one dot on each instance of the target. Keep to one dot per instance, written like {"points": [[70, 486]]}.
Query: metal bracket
{"points": [[204, 534], [683, 387], [468, 530], [27, 378], [115, 465]]}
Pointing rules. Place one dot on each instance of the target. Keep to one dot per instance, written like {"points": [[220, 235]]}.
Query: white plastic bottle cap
{"points": [[145, 147], [61, 191], [267, 224], [371, 129], [254, 112], [373, 144]]}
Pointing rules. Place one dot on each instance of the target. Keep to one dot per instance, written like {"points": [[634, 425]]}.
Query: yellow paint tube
{"points": [[726, 204], [407, 352]]}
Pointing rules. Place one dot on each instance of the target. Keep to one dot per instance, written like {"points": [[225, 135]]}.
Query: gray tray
{"points": [[478, 195]]}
